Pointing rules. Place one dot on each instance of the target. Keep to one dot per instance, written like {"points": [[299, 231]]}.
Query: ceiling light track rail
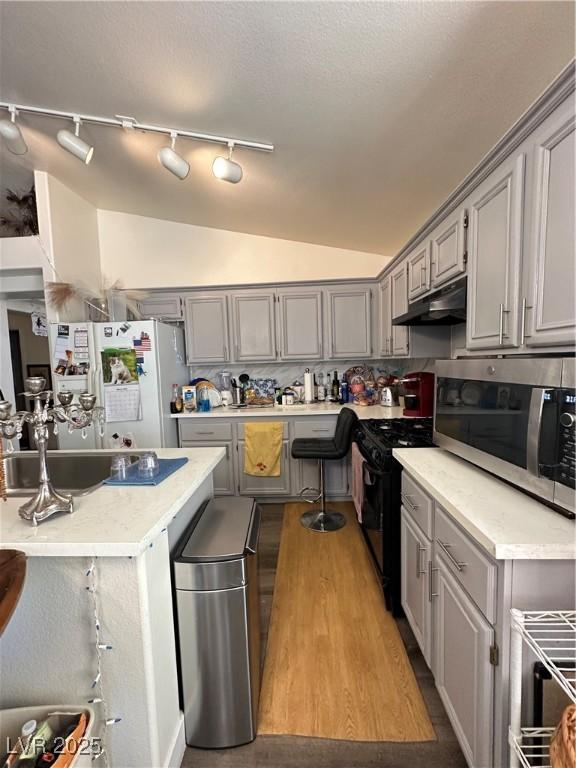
{"points": [[130, 123]]}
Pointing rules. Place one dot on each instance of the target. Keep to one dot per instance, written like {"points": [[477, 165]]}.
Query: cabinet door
{"points": [[349, 322], [550, 306], [494, 257], [386, 317], [224, 475], [336, 478], [449, 249], [264, 486], [419, 271], [163, 306], [400, 333], [300, 324], [415, 556], [254, 326], [462, 671], [206, 325]]}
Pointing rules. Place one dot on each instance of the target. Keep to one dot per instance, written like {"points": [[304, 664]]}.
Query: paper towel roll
{"points": [[308, 387]]}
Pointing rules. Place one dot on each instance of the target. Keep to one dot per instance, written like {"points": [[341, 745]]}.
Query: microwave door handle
{"points": [[534, 430]]}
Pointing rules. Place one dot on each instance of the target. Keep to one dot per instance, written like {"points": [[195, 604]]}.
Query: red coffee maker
{"points": [[418, 393]]}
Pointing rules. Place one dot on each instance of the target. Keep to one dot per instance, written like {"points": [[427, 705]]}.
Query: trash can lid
{"points": [[220, 533]]}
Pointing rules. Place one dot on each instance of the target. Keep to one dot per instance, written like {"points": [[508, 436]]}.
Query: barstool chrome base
{"points": [[323, 521]]}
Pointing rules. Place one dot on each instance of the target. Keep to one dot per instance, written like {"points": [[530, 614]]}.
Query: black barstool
{"points": [[325, 449]]}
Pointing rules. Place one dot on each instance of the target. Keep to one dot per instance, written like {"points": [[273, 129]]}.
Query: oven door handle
{"points": [[534, 430]]}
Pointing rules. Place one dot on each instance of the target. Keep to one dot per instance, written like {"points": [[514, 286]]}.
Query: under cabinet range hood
{"points": [[446, 306]]}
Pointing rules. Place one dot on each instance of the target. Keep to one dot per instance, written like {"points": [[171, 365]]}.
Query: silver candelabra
{"points": [[81, 415]]}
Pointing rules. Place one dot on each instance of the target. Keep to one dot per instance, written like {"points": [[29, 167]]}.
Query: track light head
{"points": [[12, 135], [172, 161], [225, 169], [72, 143]]}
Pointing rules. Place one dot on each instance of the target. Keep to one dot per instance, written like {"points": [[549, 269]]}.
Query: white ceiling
{"points": [[377, 109]]}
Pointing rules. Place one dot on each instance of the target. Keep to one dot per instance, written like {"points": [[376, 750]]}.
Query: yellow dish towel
{"points": [[263, 448]]}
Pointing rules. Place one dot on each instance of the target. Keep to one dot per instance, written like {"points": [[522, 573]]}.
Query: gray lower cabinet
{"points": [[336, 478], [254, 325], [224, 475], [300, 327], [206, 327], [549, 302], [265, 486], [494, 257], [462, 671], [415, 582], [349, 322]]}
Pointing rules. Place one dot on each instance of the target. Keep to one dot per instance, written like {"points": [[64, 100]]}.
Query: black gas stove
{"points": [[376, 438]]}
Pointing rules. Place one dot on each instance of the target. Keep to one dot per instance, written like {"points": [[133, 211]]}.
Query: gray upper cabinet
{"points": [[161, 306], [462, 670], [254, 326], [549, 301], [300, 325], [418, 270], [494, 257], [349, 322], [400, 333], [206, 325], [448, 254], [386, 317]]}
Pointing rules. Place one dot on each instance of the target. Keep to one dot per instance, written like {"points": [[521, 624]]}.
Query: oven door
{"points": [[487, 413]]}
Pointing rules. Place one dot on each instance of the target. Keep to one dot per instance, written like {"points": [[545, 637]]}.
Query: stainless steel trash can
{"points": [[218, 607]]}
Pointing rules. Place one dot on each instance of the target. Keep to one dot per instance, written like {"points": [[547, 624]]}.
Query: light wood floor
{"points": [[335, 666]]}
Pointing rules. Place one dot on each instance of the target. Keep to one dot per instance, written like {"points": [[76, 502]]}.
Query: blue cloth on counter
{"points": [[166, 467]]}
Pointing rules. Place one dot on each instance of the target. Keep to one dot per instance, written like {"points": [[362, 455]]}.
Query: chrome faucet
{"points": [[81, 415]]}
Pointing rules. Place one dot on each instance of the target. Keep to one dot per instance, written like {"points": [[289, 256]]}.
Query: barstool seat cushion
{"points": [[315, 448]]}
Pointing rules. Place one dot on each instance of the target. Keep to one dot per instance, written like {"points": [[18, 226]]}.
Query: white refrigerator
{"points": [[130, 367]]}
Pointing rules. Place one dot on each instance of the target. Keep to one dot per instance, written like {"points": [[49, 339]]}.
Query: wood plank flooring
{"points": [[335, 664], [300, 752]]}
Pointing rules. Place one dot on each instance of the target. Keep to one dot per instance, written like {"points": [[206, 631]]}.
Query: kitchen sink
{"points": [[76, 473]]}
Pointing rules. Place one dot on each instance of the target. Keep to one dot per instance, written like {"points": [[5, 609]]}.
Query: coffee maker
{"points": [[418, 393]]}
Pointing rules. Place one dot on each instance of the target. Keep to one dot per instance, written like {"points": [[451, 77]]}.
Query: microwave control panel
{"points": [[567, 432]]}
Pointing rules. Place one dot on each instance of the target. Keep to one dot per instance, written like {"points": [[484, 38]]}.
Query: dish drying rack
{"points": [[551, 635]]}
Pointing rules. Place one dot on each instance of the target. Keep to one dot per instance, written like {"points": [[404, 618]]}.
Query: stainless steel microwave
{"points": [[513, 418]]}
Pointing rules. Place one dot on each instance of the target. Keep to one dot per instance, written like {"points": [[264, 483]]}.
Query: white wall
{"points": [[152, 253], [68, 227]]}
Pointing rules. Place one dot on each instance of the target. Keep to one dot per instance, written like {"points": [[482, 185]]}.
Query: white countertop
{"points": [[507, 523], [112, 521], [311, 409]]}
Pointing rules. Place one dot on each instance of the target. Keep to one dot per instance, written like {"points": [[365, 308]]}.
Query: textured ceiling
{"points": [[377, 110]]}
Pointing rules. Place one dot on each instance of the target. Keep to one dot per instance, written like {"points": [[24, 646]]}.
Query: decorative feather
{"points": [[60, 294]]}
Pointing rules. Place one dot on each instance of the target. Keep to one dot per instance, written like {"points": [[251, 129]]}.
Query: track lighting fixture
{"points": [[226, 169], [74, 144], [172, 161], [223, 168], [12, 134]]}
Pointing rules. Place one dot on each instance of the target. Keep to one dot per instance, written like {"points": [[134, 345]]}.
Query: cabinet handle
{"points": [[204, 433], [446, 549], [409, 503], [431, 571], [225, 353], [501, 325], [321, 430], [523, 333], [419, 550]]}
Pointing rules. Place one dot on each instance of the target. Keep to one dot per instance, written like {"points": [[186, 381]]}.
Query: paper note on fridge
{"points": [[122, 403]]}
